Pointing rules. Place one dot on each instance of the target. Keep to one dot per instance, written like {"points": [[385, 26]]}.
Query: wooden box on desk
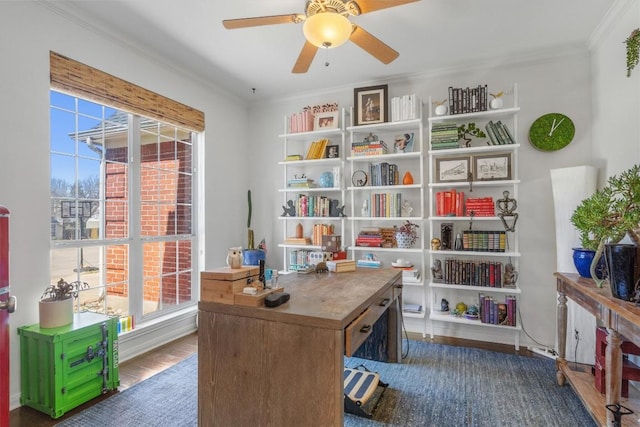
{"points": [[220, 285]]}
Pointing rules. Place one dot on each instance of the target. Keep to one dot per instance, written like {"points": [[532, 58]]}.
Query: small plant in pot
{"points": [[406, 234], [56, 303], [608, 215]]}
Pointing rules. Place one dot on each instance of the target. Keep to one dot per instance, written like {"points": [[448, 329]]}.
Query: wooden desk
{"points": [[284, 366], [620, 318]]}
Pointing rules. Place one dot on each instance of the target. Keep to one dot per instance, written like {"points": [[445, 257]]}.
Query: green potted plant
{"points": [[56, 303], [608, 215]]}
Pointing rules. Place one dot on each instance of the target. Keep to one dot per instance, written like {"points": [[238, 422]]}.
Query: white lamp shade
{"points": [[327, 29]]}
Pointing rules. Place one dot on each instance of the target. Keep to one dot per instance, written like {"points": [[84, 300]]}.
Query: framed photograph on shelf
{"points": [[403, 143], [492, 167], [332, 152], [370, 105], [325, 120], [453, 169]]}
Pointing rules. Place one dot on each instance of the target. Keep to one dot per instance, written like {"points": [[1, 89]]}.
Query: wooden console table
{"points": [[621, 318], [284, 366]]}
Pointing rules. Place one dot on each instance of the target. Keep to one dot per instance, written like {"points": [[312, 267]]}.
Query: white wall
{"points": [[28, 32], [616, 97]]}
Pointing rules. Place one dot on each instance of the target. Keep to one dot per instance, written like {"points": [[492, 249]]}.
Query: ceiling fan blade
{"points": [[293, 18], [305, 58], [373, 45], [367, 6]]}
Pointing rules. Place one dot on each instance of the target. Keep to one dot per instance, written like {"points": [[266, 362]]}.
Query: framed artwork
{"points": [[453, 169], [492, 167], [403, 143], [332, 152], [370, 105], [325, 120]]}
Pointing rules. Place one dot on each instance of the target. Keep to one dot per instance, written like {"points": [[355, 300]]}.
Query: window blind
{"points": [[87, 82]]}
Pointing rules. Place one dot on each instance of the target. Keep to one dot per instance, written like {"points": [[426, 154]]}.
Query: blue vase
{"points": [[582, 259]]}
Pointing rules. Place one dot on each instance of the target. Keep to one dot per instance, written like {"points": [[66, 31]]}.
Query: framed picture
{"points": [[332, 152], [325, 120], [492, 167], [370, 105], [403, 143], [453, 169]]}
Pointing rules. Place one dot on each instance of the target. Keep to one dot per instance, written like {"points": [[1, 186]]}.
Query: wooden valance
{"points": [[87, 82]]}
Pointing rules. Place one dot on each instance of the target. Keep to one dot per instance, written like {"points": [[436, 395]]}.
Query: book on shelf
{"points": [[497, 312], [464, 272], [298, 240], [412, 308], [484, 240], [450, 203], [467, 100], [317, 149], [405, 107], [292, 157], [341, 265]]}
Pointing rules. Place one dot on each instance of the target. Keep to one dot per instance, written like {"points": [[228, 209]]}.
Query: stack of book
{"points": [[370, 237], [480, 206], [499, 133], [450, 203], [385, 205], [297, 241], [368, 148], [300, 183], [341, 265], [410, 275], [405, 107], [444, 135]]}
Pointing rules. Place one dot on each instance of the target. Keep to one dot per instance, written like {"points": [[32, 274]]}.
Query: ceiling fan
{"points": [[326, 25]]}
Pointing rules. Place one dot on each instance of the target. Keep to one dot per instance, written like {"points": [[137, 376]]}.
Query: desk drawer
{"points": [[360, 329]]}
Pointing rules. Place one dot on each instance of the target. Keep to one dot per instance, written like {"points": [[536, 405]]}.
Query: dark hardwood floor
{"points": [[159, 359]]}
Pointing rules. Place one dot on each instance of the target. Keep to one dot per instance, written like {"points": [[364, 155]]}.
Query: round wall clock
{"points": [[551, 132]]}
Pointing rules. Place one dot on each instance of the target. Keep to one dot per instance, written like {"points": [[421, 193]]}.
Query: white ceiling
{"points": [[430, 35]]}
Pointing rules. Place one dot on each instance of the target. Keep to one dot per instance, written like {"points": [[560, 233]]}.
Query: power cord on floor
{"points": [[404, 354], [575, 351], [550, 348]]}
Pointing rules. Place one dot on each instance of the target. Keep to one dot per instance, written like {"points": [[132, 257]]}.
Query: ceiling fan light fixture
{"points": [[327, 29]]}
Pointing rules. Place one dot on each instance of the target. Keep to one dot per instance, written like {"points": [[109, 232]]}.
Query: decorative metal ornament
{"points": [[505, 207], [359, 178]]}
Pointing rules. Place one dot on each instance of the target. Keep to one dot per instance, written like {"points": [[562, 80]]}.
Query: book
{"points": [[412, 308]]}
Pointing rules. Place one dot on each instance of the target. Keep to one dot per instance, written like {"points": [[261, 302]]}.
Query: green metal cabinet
{"points": [[62, 368]]}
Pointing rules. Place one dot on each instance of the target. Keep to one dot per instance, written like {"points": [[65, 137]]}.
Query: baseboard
{"points": [[154, 334]]}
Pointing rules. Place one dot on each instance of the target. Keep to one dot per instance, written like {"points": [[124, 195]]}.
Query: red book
{"points": [[440, 203], [459, 209]]}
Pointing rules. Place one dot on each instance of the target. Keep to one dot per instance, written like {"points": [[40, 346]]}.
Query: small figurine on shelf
{"points": [[510, 276], [435, 244], [436, 271], [444, 305], [334, 209], [290, 209], [406, 208]]}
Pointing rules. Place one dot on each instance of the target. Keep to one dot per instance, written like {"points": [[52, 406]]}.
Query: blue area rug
{"points": [[437, 385]]}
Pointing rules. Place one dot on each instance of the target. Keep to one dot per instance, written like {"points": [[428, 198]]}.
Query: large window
{"points": [[122, 211]]}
